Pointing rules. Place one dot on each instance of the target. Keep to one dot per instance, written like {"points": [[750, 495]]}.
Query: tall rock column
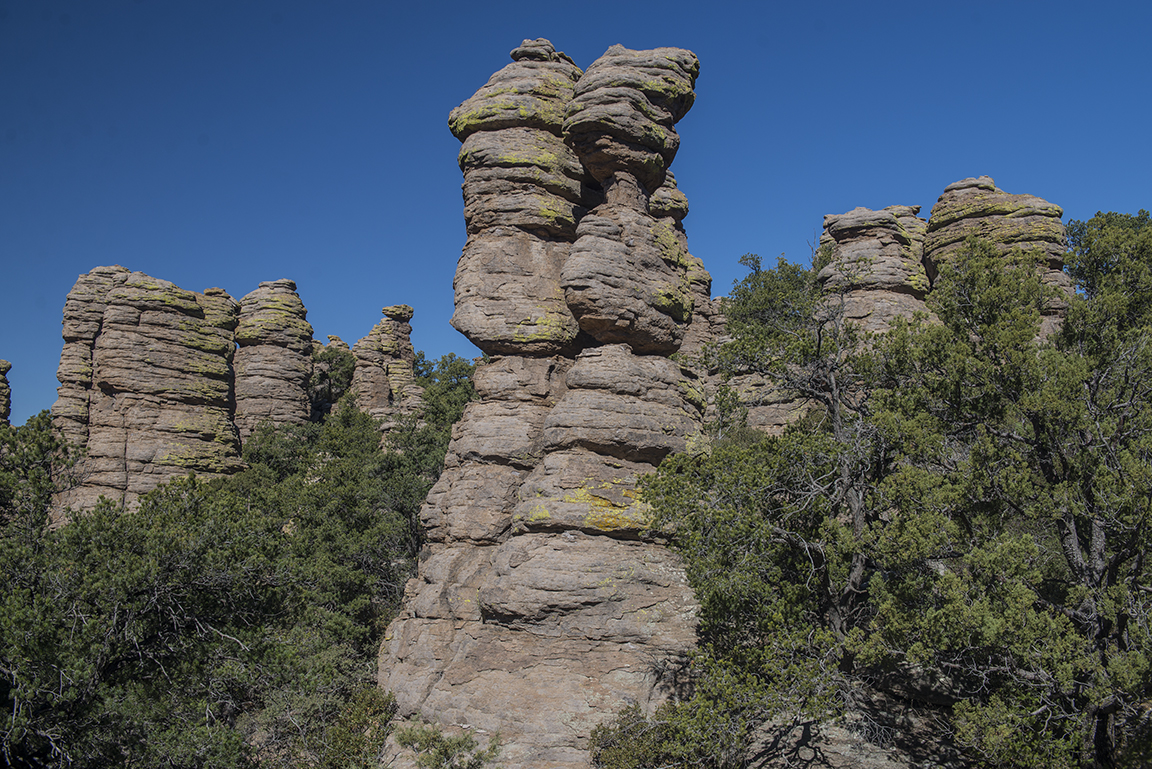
{"points": [[274, 358], [146, 383], [541, 607], [384, 378]]}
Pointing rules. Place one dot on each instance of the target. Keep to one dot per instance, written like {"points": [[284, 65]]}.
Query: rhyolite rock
{"points": [[384, 379], [876, 264], [5, 391], [274, 358], [976, 207], [146, 383], [158, 382], [524, 192], [543, 604]]}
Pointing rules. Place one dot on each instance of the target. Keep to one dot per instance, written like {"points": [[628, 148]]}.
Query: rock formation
{"points": [[145, 383], [384, 380], [976, 207], [540, 607], [875, 264], [157, 381], [5, 391], [273, 358]]}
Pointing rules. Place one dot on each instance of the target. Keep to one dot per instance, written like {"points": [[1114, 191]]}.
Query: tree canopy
{"points": [[230, 623], [964, 504]]}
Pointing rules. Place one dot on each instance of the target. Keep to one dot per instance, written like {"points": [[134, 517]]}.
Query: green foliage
{"points": [[962, 498], [436, 750], [332, 369], [225, 624]]}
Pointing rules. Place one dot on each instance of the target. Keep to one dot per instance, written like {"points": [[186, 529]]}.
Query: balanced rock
{"points": [[146, 383], [274, 358]]}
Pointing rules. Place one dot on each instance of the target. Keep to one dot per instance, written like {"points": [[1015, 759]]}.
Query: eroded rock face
{"points": [[146, 383], [274, 358], [542, 606]]}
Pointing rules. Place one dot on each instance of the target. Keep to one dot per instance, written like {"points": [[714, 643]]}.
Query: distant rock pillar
{"points": [[145, 383], [876, 264], [384, 379], [273, 358]]}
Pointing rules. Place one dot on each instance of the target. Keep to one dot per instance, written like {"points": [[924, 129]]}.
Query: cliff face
{"points": [[538, 610], [157, 382]]}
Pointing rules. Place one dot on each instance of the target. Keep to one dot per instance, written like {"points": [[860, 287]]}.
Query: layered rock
{"points": [[542, 605], [876, 264], [384, 379], [157, 382], [524, 191], [627, 278], [274, 358], [976, 207], [5, 391], [146, 383]]}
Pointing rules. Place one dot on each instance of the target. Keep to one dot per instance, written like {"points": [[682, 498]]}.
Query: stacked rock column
{"points": [[274, 358], [540, 609]]}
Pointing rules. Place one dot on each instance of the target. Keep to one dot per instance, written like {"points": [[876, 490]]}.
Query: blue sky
{"points": [[225, 143]]}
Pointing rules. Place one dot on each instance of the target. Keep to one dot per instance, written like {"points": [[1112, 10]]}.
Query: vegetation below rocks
{"points": [[226, 624], [964, 512]]}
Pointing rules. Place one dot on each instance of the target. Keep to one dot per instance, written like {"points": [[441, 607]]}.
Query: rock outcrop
{"points": [[273, 358], [976, 207], [384, 380], [541, 606], [5, 391], [157, 382], [146, 383], [876, 264]]}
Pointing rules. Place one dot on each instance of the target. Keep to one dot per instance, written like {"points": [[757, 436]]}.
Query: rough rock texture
{"points": [[146, 383], [542, 606], [524, 191], [627, 278], [157, 382], [384, 379], [274, 358], [876, 264], [5, 391], [977, 207]]}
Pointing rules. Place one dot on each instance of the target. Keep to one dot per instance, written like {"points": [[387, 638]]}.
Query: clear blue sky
{"points": [[222, 143]]}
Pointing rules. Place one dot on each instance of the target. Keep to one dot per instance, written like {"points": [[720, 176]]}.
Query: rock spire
{"points": [[541, 607]]}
